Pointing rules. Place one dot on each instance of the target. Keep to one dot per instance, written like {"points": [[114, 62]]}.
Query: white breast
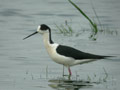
{"points": [[51, 49]]}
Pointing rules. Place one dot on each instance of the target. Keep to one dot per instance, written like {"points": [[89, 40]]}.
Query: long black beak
{"points": [[30, 35]]}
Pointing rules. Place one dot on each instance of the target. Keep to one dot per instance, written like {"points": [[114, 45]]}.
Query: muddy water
{"points": [[25, 64]]}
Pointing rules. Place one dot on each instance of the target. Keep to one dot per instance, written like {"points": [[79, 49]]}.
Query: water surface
{"points": [[23, 64]]}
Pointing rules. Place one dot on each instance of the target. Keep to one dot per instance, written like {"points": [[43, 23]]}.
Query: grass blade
{"points": [[81, 12], [94, 25]]}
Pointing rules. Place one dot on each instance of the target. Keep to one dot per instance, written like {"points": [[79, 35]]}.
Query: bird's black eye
{"points": [[44, 27]]}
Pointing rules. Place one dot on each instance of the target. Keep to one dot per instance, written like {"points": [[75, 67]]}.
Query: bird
{"points": [[61, 54]]}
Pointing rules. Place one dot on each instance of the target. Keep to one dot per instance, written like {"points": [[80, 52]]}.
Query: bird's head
{"points": [[42, 29]]}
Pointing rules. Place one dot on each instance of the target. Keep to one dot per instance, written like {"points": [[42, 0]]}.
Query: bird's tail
{"points": [[106, 57]]}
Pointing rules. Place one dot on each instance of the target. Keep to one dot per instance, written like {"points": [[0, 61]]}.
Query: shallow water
{"points": [[25, 64]]}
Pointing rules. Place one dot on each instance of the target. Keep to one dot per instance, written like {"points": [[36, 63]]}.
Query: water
{"points": [[25, 64]]}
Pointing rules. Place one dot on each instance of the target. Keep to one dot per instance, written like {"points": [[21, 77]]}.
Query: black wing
{"points": [[76, 54]]}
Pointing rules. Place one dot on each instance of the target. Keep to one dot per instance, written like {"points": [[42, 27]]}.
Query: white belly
{"points": [[62, 59], [51, 49], [67, 61]]}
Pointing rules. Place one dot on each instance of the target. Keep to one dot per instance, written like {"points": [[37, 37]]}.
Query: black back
{"points": [[76, 54]]}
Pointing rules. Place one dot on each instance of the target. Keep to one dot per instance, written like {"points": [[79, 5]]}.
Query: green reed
{"points": [[93, 24]]}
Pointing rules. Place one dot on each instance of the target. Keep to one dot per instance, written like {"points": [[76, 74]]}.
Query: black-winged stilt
{"points": [[61, 54]]}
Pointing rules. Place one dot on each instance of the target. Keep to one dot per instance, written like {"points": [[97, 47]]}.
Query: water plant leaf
{"points": [[94, 25]]}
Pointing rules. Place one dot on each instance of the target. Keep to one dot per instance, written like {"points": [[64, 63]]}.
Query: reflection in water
{"points": [[69, 84]]}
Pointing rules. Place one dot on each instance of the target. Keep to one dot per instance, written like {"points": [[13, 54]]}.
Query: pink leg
{"points": [[70, 73]]}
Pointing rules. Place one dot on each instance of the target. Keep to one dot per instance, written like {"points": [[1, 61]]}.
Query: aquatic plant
{"points": [[94, 27], [65, 29], [106, 75], [46, 71]]}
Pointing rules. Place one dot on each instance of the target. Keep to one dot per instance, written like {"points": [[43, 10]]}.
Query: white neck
{"points": [[46, 39], [48, 45]]}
